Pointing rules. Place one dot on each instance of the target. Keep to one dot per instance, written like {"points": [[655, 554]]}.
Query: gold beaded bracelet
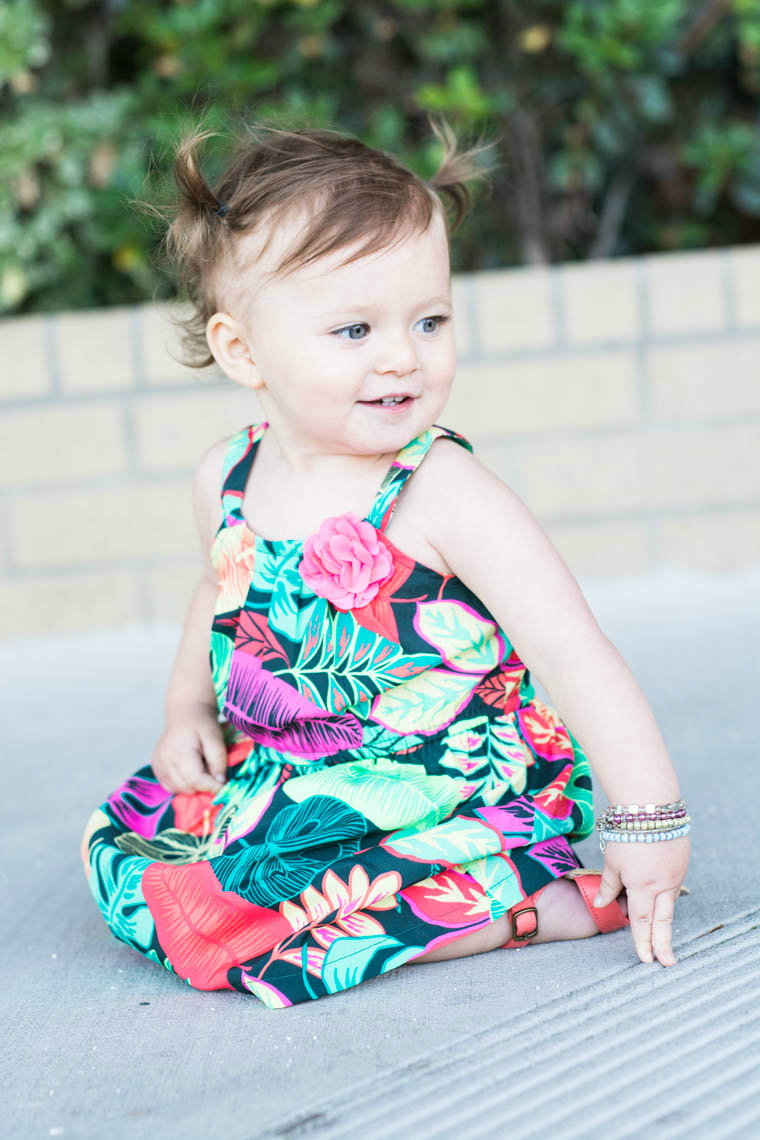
{"points": [[643, 825]]}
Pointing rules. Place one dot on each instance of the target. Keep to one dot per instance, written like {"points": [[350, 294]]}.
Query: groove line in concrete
{"points": [[637, 1098], [698, 947], [520, 1102]]}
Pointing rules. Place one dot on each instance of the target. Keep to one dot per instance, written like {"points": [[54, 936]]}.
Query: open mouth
{"points": [[388, 402]]}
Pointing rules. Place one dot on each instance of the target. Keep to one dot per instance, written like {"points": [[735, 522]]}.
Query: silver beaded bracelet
{"points": [[640, 836]]}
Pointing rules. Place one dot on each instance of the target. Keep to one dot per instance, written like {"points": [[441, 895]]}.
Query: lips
{"points": [[398, 398]]}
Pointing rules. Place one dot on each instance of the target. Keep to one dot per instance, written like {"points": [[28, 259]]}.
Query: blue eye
{"points": [[351, 329], [440, 320], [436, 322]]}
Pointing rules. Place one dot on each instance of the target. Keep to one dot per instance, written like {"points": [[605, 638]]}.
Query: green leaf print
{"points": [[466, 642], [463, 746], [271, 997], [378, 741], [498, 880], [581, 795], [347, 959], [160, 961], [390, 795], [292, 603], [354, 663], [115, 882], [243, 799], [508, 753], [251, 809], [455, 841], [415, 451], [544, 827], [426, 702], [400, 958], [237, 446], [221, 660], [169, 846]]}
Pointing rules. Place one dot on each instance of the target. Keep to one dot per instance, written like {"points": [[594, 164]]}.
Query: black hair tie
{"points": [[221, 210]]}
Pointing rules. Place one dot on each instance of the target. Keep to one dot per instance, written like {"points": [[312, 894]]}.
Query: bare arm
{"points": [[191, 756], [492, 542], [191, 682]]}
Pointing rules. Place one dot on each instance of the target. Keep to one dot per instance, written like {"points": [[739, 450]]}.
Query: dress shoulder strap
{"points": [[404, 465], [238, 459]]}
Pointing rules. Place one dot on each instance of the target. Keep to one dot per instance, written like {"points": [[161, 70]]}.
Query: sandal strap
{"points": [[607, 918]]}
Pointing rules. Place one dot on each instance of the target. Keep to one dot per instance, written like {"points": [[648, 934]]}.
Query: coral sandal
{"points": [[607, 918]]}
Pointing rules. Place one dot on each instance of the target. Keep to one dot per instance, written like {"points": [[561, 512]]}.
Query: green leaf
{"points": [[388, 793], [347, 960]]}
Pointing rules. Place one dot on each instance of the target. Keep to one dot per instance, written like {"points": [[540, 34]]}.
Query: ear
{"points": [[231, 350]]}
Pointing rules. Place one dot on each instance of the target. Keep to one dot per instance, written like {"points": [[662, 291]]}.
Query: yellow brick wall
{"points": [[620, 400]]}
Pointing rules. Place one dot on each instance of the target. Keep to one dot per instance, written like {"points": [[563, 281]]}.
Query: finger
{"points": [[184, 772], [203, 781], [662, 925], [640, 909], [610, 886], [215, 754]]}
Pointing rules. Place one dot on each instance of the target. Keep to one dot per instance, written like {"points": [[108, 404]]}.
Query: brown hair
{"points": [[353, 191]]}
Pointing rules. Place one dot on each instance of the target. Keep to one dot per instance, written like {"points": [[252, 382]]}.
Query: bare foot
{"points": [[562, 914]]}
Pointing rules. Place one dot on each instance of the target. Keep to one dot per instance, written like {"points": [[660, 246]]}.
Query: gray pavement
{"points": [[572, 1038]]}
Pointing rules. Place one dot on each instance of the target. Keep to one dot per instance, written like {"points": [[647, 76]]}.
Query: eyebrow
{"points": [[429, 304]]}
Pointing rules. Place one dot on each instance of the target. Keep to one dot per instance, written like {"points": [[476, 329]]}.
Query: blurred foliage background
{"points": [[622, 126]]}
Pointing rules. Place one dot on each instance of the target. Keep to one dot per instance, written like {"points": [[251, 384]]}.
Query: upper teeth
{"points": [[392, 399]]}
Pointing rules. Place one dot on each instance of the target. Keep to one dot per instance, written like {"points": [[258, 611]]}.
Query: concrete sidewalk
{"points": [[571, 1038]]}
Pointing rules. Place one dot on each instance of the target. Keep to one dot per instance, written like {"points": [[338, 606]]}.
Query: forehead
{"points": [[411, 258]]}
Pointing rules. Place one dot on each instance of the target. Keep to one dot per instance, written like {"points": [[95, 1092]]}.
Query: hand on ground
{"points": [[652, 874]]}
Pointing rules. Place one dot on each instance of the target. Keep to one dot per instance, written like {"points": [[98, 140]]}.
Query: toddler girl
{"points": [[356, 772]]}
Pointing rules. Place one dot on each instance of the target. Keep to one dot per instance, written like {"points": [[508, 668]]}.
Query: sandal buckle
{"points": [[526, 934]]}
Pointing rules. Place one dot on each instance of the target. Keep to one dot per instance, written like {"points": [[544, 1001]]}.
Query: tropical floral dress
{"points": [[394, 783]]}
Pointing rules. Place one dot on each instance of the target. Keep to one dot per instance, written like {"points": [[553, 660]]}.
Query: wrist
{"points": [[189, 707]]}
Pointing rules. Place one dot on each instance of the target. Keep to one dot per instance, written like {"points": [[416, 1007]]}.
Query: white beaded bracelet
{"points": [[640, 836]]}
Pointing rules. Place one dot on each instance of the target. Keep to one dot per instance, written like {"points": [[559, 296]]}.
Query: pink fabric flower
{"points": [[346, 562]]}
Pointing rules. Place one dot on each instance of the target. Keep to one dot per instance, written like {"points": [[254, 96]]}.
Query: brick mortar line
{"points": [[50, 343], [729, 293], [471, 316], [129, 429], [557, 307], [653, 542], [136, 347], [643, 386], [6, 547]]}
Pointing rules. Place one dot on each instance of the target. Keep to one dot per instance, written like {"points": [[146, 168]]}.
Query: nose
{"points": [[398, 355]]}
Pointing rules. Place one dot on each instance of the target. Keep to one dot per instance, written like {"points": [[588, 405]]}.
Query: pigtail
{"points": [[195, 238], [458, 169], [197, 225]]}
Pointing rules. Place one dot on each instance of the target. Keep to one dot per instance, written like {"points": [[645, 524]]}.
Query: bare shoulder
{"points": [[495, 545], [207, 496], [464, 498]]}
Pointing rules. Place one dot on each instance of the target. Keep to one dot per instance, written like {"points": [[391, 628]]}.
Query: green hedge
{"points": [[622, 126]]}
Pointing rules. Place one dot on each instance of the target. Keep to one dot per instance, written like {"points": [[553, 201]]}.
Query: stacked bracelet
{"points": [[650, 823]]}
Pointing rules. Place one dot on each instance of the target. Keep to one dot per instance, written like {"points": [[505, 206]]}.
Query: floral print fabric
{"points": [[394, 782]]}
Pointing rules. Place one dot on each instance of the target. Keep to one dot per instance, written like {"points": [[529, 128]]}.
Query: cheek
{"points": [[445, 360]]}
